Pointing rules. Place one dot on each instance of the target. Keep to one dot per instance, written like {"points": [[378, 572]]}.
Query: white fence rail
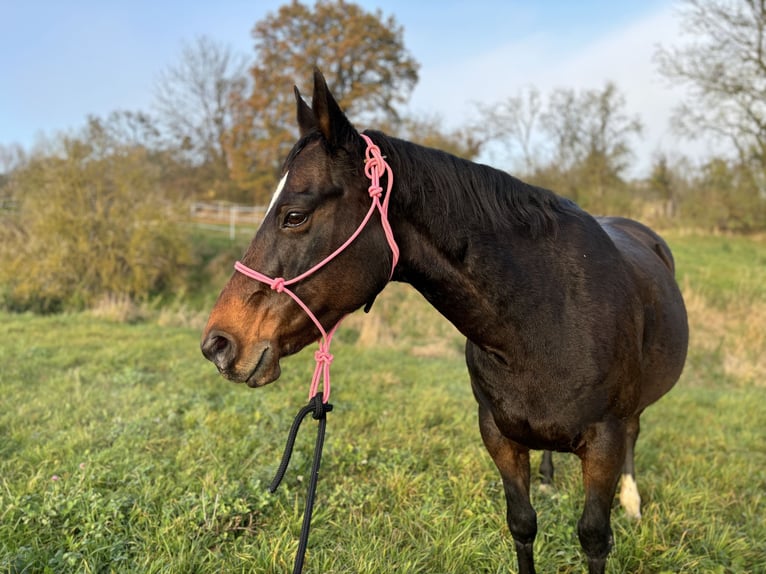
{"points": [[229, 214]]}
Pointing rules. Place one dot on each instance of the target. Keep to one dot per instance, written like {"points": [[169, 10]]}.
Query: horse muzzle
{"points": [[256, 366]]}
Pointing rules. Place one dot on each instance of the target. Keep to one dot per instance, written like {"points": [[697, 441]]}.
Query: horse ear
{"points": [[306, 121], [330, 119]]}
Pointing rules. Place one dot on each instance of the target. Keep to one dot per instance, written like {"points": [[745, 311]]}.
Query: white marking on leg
{"points": [[629, 497], [546, 488], [275, 197]]}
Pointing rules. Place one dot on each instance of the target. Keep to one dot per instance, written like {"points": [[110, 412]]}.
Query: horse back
{"points": [[616, 226]]}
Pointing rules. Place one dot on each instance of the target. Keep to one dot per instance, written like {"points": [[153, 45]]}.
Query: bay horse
{"points": [[573, 324]]}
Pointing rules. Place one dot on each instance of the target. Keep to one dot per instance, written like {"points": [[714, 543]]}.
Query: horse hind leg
{"points": [[546, 471], [512, 460], [630, 499], [602, 456]]}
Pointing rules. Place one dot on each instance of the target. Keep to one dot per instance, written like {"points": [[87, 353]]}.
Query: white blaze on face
{"points": [[275, 197]]}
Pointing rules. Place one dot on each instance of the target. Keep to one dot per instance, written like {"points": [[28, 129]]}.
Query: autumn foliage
{"points": [[362, 56]]}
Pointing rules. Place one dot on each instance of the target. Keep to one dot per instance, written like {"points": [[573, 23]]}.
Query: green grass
{"points": [[725, 270], [724, 284], [121, 450]]}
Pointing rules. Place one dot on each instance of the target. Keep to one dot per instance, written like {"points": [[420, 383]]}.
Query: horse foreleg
{"points": [[602, 456], [630, 499], [512, 460]]}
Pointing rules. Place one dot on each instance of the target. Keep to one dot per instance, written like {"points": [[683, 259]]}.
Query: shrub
{"points": [[92, 221]]}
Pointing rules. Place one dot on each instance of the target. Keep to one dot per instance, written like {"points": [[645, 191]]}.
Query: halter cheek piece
{"points": [[374, 167]]}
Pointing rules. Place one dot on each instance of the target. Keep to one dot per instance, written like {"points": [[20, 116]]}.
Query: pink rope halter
{"points": [[374, 166]]}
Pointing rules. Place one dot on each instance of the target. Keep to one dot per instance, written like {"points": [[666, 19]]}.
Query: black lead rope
{"points": [[319, 410]]}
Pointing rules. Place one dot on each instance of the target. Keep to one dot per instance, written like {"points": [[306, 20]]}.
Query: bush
{"points": [[93, 220]]}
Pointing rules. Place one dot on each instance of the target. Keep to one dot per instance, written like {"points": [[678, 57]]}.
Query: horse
{"points": [[574, 324]]}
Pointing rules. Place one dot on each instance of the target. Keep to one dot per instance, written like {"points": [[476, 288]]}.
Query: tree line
{"points": [[93, 212]]}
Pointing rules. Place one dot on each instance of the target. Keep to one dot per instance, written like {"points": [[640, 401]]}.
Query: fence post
{"points": [[232, 222]]}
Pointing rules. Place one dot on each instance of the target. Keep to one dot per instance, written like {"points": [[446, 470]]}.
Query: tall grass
{"points": [[123, 451], [724, 285]]}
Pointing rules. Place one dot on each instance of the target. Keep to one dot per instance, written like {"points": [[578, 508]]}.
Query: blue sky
{"points": [[60, 61]]}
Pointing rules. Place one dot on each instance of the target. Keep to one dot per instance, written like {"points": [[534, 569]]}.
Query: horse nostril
{"points": [[219, 347]]}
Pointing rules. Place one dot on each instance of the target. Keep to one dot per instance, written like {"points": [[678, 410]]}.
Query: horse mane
{"points": [[494, 199]]}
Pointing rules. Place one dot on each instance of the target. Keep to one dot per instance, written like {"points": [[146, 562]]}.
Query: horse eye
{"points": [[295, 219]]}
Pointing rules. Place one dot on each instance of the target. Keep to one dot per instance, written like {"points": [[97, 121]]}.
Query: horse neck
{"points": [[437, 236]]}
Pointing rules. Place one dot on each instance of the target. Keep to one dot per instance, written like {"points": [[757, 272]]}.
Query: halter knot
{"points": [[278, 284], [375, 191], [324, 357], [373, 163]]}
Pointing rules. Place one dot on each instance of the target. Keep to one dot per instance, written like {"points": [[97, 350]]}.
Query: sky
{"points": [[62, 61]]}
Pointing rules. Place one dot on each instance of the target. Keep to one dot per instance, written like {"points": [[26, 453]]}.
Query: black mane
{"points": [[435, 180]]}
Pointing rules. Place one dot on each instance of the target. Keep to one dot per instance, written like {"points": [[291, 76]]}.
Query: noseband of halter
{"points": [[374, 166]]}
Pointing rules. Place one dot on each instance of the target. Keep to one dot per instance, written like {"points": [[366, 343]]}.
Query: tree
{"points": [[515, 123], [591, 127], [362, 56], [669, 184], [11, 157], [92, 220], [194, 100], [429, 131], [724, 68], [578, 143], [120, 130], [590, 134]]}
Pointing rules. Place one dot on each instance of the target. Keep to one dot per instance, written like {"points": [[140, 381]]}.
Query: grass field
{"points": [[121, 449]]}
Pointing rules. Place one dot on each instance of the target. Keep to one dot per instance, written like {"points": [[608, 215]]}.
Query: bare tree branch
{"points": [[193, 98], [724, 70]]}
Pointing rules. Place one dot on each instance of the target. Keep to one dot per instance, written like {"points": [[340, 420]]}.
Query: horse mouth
{"points": [[266, 369]]}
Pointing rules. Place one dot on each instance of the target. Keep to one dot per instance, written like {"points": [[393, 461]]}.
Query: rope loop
{"points": [[321, 408], [373, 163]]}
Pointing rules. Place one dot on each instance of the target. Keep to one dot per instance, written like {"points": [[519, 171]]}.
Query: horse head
{"points": [[320, 201]]}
